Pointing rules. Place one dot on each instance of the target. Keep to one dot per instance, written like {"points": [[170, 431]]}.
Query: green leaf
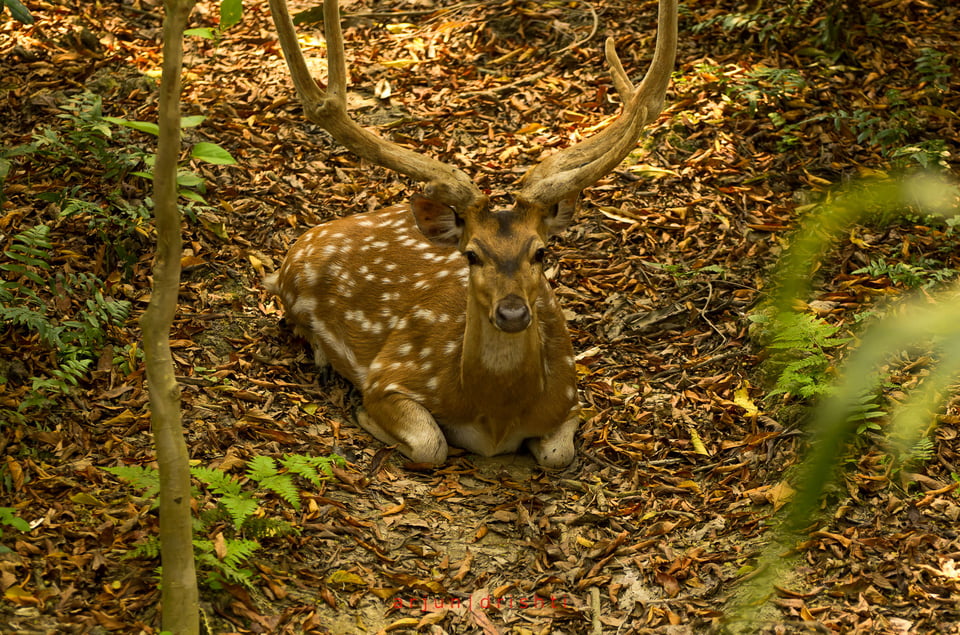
{"points": [[204, 32], [146, 175], [8, 516], [18, 11], [185, 178], [230, 13], [192, 121], [212, 153], [190, 195], [143, 126]]}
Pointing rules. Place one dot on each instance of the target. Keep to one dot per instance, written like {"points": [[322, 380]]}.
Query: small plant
{"points": [[76, 342], [799, 348], [228, 528], [230, 13], [930, 154], [933, 70], [864, 412], [86, 142], [925, 274], [8, 517], [768, 86]]}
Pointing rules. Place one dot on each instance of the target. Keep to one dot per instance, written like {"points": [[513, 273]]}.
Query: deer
{"points": [[438, 310]]}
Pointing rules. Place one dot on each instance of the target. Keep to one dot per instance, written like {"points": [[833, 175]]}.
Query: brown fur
{"points": [[414, 327]]}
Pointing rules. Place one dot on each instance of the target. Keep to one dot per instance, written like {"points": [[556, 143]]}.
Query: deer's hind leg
{"points": [[398, 420]]}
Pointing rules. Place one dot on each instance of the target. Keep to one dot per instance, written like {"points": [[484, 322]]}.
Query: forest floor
{"points": [[682, 462]]}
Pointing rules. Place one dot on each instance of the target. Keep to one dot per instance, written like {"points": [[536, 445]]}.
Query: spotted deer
{"points": [[438, 310]]}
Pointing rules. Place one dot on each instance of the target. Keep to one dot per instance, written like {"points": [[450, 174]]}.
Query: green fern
{"points": [[218, 481], [799, 345], [263, 470], [260, 527], [235, 505], [142, 478], [311, 467], [229, 567], [865, 411], [239, 504], [77, 341], [148, 549]]}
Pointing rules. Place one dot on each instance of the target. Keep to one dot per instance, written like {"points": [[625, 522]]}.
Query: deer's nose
{"points": [[512, 314]]}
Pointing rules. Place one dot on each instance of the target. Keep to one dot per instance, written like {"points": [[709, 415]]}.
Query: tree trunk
{"points": [[180, 603]]}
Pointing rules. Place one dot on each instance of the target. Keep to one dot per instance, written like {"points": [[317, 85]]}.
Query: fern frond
{"points": [[283, 486], [261, 467], [259, 527], [240, 508], [308, 466], [140, 477], [217, 481]]}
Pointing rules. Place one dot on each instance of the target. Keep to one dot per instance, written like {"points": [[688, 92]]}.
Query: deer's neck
{"points": [[507, 359]]}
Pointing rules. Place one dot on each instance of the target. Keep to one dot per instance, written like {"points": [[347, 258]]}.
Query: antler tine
{"points": [[444, 183], [564, 174]]}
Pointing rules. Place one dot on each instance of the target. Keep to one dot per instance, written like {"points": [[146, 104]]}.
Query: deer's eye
{"points": [[539, 255], [472, 258]]}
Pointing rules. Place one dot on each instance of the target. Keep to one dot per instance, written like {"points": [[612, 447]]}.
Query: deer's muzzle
{"points": [[512, 314]]}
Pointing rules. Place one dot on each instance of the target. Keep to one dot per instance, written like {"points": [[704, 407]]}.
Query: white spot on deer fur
{"points": [[329, 249], [425, 314], [432, 383], [390, 266], [451, 347], [372, 327], [376, 365], [404, 349], [380, 244], [305, 305], [406, 393], [425, 353], [335, 345], [443, 273], [420, 284], [370, 277], [570, 392]]}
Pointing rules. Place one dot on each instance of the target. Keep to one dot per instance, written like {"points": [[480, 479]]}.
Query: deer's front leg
{"points": [[398, 420], [556, 450]]}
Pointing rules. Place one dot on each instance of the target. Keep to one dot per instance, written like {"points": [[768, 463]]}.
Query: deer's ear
{"points": [[559, 218], [438, 222]]}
